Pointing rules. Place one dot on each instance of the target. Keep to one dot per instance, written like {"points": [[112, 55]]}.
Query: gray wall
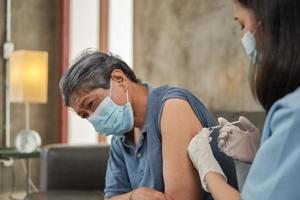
{"points": [[194, 44], [34, 27]]}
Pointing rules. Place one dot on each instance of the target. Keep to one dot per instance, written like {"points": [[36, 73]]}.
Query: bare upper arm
{"points": [[178, 126]]}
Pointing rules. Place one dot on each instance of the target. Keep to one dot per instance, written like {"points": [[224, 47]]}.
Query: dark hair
{"points": [[90, 70], [278, 70], [245, 3]]}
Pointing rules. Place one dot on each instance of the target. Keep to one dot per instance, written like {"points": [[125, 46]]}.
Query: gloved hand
{"points": [[237, 143], [202, 157]]}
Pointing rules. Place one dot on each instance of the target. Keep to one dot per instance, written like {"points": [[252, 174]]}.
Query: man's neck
{"points": [[139, 104]]}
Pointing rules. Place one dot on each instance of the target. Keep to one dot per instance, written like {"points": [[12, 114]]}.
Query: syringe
{"points": [[220, 126]]}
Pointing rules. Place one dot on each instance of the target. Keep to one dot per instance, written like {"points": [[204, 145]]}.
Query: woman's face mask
{"points": [[112, 119], [248, 22], [249, 44]]}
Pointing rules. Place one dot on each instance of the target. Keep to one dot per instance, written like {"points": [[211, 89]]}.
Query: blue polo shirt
{"points": [[130, 167]]}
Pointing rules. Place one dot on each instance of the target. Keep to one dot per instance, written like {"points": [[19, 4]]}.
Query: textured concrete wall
{"points": [[194, 44], [34, 27]]}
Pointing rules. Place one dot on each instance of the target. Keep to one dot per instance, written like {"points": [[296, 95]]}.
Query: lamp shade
{"points": [[28, 76]]}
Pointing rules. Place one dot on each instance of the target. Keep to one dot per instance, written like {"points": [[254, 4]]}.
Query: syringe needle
{"points": [[220, 126]]}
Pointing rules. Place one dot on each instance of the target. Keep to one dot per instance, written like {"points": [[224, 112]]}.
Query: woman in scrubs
{"points": [[272, 40]]}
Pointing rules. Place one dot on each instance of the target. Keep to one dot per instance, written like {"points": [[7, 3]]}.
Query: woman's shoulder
{"points": [[287, 105], [290, 101], [284, 116]]}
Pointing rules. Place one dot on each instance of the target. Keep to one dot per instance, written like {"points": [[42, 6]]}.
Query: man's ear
{"points": [[118, 76]]}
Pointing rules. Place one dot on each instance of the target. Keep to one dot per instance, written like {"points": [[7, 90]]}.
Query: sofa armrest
{"points": [[66, 167]]}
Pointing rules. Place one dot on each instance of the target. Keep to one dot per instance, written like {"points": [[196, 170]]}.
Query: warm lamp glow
{"points": [[28, 76]]}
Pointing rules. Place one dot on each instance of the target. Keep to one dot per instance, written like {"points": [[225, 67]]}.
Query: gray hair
{"points": [[90, 70]]}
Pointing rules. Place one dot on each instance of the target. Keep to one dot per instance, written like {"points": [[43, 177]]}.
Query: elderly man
{"points": [[151, 129]]}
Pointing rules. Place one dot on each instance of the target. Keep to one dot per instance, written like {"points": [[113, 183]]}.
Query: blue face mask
{"points": [[249, 44], [112, 119]]}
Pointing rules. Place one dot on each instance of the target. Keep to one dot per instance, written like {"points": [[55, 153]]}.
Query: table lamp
{"points": [[28, 77]]}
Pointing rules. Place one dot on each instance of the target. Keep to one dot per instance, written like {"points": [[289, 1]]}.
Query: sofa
{"points": [[70, 172]]}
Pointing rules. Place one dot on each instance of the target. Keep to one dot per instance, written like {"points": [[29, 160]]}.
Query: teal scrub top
{"points": [[275, 172]]}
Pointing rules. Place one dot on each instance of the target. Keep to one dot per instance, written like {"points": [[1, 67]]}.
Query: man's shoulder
{"points": [[167, 91]]}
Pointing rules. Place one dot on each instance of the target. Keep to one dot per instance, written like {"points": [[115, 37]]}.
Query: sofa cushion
{"points": [[67, 167]]}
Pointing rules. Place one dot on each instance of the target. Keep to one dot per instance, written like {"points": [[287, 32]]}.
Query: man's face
{"points": [[84, 103]]}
